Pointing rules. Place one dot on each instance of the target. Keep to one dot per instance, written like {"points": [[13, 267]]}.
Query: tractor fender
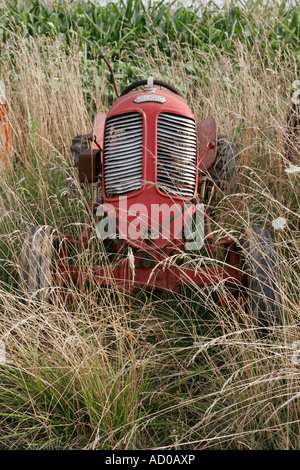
{"points": [[207, 132], [98, 129]]}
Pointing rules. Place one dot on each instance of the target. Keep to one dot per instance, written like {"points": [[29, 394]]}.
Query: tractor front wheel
{"points": [[79, 143], [37, 264], [260, 276], [225, 170]]}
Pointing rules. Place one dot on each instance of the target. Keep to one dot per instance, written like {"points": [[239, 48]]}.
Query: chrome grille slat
{"points": [[164, 163], [131, 186], [112, 175], [121, 164], [124, 134], [129, 182], [175, 177], [165, 157], [136, 150], [186, 142], [123, 152], [178, 151], [176, 154], [179, 156], [181, 120], [178, 169], [188, 137], [125, 118]]}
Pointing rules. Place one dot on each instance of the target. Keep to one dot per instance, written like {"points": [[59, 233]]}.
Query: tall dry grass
{"points": [[121, 371]]}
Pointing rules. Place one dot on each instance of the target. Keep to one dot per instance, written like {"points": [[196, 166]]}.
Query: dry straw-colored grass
{"points": [[146, 370]]}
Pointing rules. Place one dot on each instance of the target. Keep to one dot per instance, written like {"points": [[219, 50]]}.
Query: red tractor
{"points": [[147, 160]]}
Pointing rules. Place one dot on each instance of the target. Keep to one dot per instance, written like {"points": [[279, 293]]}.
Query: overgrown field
{"points": [[119, 371]]}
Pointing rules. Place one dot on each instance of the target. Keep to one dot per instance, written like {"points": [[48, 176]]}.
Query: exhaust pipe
{"points": [[102, 56]]}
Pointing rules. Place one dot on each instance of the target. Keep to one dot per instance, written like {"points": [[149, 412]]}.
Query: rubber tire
{"points": [[155, 82], [79, 143], [225, 169], [37, 262], [260, 267]]}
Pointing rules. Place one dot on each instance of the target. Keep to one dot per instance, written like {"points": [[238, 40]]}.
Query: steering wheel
{"points": [[155, 82]]}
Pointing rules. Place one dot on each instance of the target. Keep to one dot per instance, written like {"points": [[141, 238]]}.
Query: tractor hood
{"points": [[164, 101], [149, 160], [150, 142]]}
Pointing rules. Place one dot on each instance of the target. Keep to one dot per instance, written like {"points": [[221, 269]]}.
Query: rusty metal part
{"points": [[144, 259], [92, 138], [89, 165], [202, 188], [165, 280]]}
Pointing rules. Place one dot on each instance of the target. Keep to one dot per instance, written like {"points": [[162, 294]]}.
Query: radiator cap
{"points": [[149, 86]]}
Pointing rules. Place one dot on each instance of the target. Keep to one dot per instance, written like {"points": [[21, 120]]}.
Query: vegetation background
{"points": [[116, 371]]}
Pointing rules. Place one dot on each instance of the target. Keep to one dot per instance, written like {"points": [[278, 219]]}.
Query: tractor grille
{"points": [[176, 154], [123, 152]]}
